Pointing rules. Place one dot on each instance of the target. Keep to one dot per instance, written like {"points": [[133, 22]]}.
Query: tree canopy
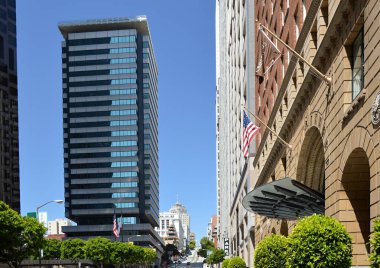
{"points": [[20, 237]]}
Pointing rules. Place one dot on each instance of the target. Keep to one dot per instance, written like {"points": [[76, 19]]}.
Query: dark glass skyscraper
{"points": [[9, 149], [110, 129]]}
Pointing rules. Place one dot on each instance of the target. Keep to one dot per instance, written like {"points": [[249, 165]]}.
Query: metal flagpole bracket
{"points": [[327, 79]]}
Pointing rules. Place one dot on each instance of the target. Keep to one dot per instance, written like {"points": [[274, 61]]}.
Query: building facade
{"points": [[171, 229], [235, 81], [212, 230], [332, 128], [55, 227], [181, 210], [110, 129], [9, 149]]}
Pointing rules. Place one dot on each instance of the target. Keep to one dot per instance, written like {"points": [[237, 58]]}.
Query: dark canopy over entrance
{"points": [[285, 199]]}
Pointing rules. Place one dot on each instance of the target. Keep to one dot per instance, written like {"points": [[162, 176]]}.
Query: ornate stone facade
{"points": [[335, 145]]}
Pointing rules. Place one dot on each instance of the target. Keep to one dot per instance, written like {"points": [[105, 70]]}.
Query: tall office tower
{"points": [[9, 151], [235, 34], [110, 129]]}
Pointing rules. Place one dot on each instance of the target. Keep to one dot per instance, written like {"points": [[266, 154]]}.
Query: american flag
{"points": [[115, 232], [249, 131]]}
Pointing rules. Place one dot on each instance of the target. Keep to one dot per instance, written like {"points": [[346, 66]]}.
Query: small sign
{"points": [[376, 109], [226, 246], [32, 215]]}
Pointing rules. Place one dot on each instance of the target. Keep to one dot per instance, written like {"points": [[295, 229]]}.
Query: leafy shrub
{"points": [[271, 252], [98, 250], [216, 256], [319, 241], [73, 249], [52, 249], [225, 263], [236, 262], [375, 245]]}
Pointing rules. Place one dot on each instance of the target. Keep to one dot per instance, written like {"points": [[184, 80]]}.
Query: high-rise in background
{"points": [[110, 107], [174, 226], [9, 142], [235, 35]]}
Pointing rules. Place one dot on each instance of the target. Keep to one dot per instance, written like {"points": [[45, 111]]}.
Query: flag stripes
{"points": [[249, 131]]}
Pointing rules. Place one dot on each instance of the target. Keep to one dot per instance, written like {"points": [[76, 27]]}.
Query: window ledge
{"points": [[355, 104]]}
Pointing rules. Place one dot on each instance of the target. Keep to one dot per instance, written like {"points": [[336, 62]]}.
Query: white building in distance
{"points": [[55, 227], [181, 210], [168, 220]]}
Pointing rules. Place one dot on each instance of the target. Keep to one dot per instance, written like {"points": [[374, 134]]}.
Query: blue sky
{"points": [[183, 36]]}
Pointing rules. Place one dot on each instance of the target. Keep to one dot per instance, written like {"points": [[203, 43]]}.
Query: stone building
{"points": [[332, 128]]}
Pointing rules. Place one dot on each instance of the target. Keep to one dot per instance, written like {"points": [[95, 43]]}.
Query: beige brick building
{"points": [[332, 128]]}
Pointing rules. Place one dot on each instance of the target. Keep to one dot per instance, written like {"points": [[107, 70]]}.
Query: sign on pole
{"points": [[32, 215], [226, 246]]}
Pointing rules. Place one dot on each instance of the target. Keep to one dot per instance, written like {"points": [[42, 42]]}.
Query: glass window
{"points": [[124, 164], [123, 133], [124, 175], [120, 154], [123, 143], [357, 65], [123, 91], [129, 220], [123, 102], [123, 123]]}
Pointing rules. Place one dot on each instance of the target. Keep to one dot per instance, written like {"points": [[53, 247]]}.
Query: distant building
{"points": [[9, 149], [55, 227], [192, 237], [212, 230], [181, 210], [42, 218], [171, 230]]}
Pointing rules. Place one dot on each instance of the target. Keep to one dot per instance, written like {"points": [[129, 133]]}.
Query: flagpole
{"points": [[325, 78], [282, 141]]}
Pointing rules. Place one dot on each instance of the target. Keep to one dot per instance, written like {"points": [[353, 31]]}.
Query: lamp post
{"points": [[133, 236], [52, 201], [38, 218]]}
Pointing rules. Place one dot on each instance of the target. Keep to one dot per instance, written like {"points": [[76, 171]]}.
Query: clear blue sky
{"points": [[183, 36]]}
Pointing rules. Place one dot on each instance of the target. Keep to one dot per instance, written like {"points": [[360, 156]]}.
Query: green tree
{"points": [[202, 252], [375, 245], [236, 262], [216, 256], [192, 245], [11, 227], [149, 256], [121, 253], [207, 244], [98, 250], [20, 238], [271, 252], [319, 241], [73, 249], [225, 263], [52, 249]]}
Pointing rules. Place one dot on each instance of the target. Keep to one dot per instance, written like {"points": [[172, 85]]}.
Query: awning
{"points": [[285, 199]]}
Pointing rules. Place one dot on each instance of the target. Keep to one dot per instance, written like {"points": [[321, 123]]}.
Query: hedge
{"points": [[271, 252], [225, 263], [236, 262], [375, 245], [319, 241]]}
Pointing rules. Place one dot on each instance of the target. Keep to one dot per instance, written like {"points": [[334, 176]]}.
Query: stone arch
{"points": [[311, 162], [284, 229], [356, 170]]}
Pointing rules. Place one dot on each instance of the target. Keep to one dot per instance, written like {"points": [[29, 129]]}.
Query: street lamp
{"points": [[52, 201], [133, 236], [38, 218]]}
